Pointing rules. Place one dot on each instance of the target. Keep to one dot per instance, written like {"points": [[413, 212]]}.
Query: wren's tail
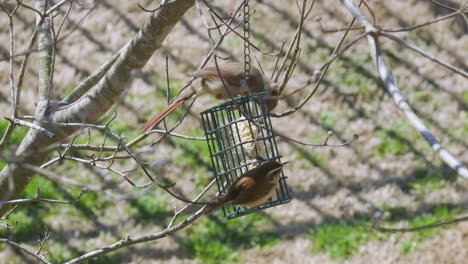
{"points": [[216, 202], [209, 208], [155, 120]]}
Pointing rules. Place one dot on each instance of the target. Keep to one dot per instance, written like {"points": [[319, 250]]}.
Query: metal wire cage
{"points": [[240, 137]]}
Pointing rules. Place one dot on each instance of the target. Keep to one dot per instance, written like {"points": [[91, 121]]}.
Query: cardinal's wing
{"points": [[214, 73]]}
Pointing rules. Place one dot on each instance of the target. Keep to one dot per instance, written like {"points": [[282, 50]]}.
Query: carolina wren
{"points": [[224, 82], [253, 188]]}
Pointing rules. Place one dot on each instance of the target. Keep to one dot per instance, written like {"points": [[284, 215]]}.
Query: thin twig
{"points": [[234, 30], [42, 241], [7, 135], [136, 240], [13, 90], [20, 122], [23, 67], [11, 62], [38, 12], [425, 54], [25, 250], [296, 42], [426, 23], [57, 6], [397, 95], [215, 47], [56, 177], [38, 199], [322, 75], [443, 5], [324, 144], [335, 30], [412, 229], [157, 8], [6, 216], [178, 213]]}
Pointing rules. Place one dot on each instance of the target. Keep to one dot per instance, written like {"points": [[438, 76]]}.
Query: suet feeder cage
{"points": [[240, 137]]}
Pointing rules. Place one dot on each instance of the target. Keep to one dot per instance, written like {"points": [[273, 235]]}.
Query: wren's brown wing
{"points": [[240, 184], [256, 194], [258, 184]]}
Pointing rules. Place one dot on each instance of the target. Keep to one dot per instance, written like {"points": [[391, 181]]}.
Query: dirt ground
{"points": [[379, 171]]}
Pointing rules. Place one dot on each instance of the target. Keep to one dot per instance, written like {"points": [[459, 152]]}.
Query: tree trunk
{"points": [[95, 103]]}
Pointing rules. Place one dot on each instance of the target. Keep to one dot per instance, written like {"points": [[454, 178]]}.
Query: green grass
{"points": [[17, 135], [28, 222], [396, 213], [147, 207], [356, 81], [465, 123], [29, 217], [421, 96], [161, 86], [194, 152], [32, 217], [464, 96], [438, 214], [393, 140], [329, 118], [217, 240], [314, 158], [15, 139], [426, 181], [340, 238], [233, 42]]}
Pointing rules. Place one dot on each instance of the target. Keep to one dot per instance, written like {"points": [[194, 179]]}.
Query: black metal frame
{"points": [[228, 151]]}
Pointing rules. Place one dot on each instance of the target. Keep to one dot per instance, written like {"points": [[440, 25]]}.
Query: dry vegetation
{"points": [[389, 169]]}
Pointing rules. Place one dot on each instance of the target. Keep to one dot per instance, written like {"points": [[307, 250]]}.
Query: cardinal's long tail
{"points": [[155, 120]]}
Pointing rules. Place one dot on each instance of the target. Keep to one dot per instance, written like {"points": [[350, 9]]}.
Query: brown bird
{"points": [[253, 188], [232, 74]]}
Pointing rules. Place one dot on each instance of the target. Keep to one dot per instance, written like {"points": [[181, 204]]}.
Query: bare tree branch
{"points": [[397, 95], [54, 176], [425, 54], [24, 249], [376, 225], [322, 73], [46, 46], [457, 12], [88, 109], [24, 63], [52, 9], [13, 90], [136, 240], [20, 122], [38, 199]]}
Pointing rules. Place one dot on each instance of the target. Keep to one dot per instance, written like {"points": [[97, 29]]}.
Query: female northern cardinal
{"points": [[253, 188], [232, 74]]}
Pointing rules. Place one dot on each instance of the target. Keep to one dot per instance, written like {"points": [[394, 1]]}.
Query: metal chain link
{"points": [[246, 40]]}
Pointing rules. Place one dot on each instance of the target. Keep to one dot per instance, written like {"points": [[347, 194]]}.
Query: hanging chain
{"points": [[246, 40]]}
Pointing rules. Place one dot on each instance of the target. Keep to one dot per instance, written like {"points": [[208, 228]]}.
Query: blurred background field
{"points": [[389, 169]]}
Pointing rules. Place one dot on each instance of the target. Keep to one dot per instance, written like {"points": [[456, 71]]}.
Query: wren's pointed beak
{"points": [[284, 163]]}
